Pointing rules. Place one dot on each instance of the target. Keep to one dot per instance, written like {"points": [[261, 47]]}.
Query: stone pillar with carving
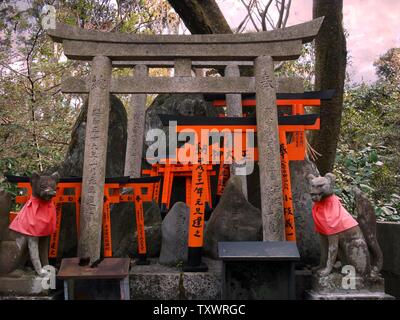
{"points": [[268, 150], [136, 120], [95, 155]]}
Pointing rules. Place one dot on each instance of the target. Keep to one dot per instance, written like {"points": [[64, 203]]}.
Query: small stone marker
{"points": [[234, 219], [174, 231]]}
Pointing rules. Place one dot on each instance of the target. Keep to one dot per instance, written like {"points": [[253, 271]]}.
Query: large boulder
{"points": [[73, 165], [174, 232], [179, 105], [233, 219], [124, 229]]}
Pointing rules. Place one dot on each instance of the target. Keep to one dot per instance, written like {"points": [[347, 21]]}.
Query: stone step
{"points": [[159, 282], [357, 295]]}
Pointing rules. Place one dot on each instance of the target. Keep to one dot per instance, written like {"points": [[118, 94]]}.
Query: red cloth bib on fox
{"points": [[330, 217], [37, 218]]}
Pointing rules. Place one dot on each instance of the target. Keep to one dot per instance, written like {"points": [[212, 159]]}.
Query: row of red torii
{"points": [[183, 52]]}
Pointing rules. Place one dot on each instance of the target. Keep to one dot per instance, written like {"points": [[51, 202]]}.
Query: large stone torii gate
{"points": [[107, 50]]}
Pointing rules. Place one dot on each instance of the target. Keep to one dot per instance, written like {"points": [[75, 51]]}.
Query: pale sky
{"points": [[373, 27]]}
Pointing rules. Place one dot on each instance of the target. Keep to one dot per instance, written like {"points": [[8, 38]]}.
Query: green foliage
{"points": [[302, 67], [368, 154], [35, 118]]}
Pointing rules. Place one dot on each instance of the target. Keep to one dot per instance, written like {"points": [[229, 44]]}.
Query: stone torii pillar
{"points": [[136, 119], [94, 166], [268, 149], [234, 109], [164, 50]]}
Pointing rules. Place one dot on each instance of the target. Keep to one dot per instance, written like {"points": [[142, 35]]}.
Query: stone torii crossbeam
{"points": [[107, 50]]}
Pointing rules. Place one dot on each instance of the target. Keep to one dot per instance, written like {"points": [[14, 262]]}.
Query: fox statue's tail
{"points": [[367, 221]]}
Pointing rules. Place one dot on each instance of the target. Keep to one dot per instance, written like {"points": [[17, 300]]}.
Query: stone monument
{"points": [[106, 50]]}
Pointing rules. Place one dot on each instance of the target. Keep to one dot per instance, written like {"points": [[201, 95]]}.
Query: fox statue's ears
{"points": [[331, 177]]}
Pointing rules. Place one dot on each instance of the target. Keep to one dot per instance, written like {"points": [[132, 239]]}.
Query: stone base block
{"points": [[334, 282], [23, 285], [159, 282], [303, 282], [356, 295], [53, 296]]}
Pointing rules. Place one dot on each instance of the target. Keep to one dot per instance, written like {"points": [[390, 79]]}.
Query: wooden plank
{"points": [[132, 85], [285, 50]]}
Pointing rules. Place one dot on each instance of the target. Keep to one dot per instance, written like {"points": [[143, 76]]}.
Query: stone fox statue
{"points": [[341, 236], [37, 220]]}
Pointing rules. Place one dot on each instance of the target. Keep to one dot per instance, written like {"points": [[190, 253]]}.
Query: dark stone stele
{"points": [[258, 270], [233, 219]]}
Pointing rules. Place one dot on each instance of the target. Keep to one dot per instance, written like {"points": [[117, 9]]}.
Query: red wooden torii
{"points": [[137, 191], [289, 151]]}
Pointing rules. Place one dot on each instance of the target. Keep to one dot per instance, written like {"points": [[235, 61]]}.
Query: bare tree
{"points": [[201, 16], [265, 15], [330, 73]]}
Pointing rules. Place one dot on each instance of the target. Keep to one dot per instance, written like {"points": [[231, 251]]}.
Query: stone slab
{"points": [[304, 31], [159, 282], [359, 295], [280, 50], [258, 250], [25, 285], [58, 295]]}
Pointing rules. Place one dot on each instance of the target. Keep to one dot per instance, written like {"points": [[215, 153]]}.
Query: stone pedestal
{"points": [[159, 282], [254, 270], [357, 295], [332, 287], [21, 285]]}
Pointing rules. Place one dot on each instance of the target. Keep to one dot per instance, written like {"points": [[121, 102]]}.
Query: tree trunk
{"points": [[330, 72], [201, 16]]}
